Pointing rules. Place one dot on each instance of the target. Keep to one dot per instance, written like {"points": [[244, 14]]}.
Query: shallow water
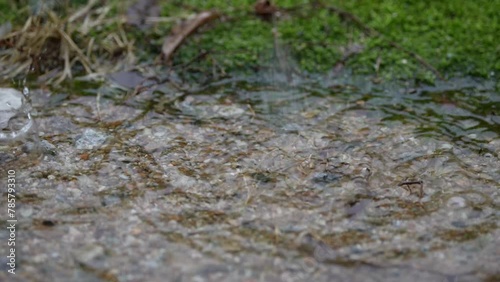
{"points": [[246, 180]]}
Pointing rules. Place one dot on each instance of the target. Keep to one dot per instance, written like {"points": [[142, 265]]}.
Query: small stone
{"points": [[48, 147], [446, 146], [26, 212], [228, 111], [123, 176], [90, 139], [456, 202], [86, 183], [459, 224], [325, 178], [89, 253]]}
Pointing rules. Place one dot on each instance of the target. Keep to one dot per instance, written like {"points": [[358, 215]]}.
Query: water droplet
{"points": [[456, 202], [13, 106]]}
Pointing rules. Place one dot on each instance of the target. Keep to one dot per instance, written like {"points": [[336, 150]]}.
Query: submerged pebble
{"points": [[456, 202], [90, 139], [265, 190]]}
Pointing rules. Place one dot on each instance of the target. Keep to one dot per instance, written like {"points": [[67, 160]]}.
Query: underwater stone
{"points": [[48, 147], [456, 202], [326, 178], [87, 254], [90, 139]]}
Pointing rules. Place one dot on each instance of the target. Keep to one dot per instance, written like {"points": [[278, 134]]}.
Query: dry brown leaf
{"points": [[182, 31], [265, 9]]}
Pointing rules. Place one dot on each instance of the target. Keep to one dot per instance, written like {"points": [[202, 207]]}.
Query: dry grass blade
{"points": [[51, 45], [82, 12], [83, 59]]}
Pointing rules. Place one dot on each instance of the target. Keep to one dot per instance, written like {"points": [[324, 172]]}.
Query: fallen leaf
{"points": [[85, 156], [265, 9], [184, 30]]}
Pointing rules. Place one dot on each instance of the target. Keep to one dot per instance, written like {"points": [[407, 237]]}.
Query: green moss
{"points": [[455, 37], [6, 14]]}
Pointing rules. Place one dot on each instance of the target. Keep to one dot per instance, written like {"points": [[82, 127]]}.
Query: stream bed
{"points": [[321, 179]]}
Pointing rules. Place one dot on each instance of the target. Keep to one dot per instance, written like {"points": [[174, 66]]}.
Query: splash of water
{"points": [[15, 114], [282, 71]]}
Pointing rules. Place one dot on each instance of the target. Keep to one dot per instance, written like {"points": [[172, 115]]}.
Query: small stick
{"points": [[410, 183], [406, 186]]}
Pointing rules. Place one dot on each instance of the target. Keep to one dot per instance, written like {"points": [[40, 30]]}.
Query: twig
{"points": [[84, 60], [200, 56], [406, 186], [82, 12]]}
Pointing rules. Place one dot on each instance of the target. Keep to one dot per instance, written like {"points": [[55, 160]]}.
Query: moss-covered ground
{"points": [[398, 39]]}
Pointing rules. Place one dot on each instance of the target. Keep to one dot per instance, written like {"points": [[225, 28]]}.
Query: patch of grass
{"points": [[58, 40], [455, 37]]}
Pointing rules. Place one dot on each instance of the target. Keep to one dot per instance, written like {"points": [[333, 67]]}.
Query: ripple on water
{"points": [[273, 178]]}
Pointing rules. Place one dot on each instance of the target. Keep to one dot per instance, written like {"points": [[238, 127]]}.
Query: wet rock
{"points": [[86, 183], [219, 111], [89, 253], [326, 178], [110, 200], [357, 207], [90, 139], [446, 146], [456, 202], [459, 224], [48, 147], [26, 211], [292, 128], [189, 198]]}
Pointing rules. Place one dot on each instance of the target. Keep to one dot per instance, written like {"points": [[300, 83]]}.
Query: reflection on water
{"points": [[247, 179]]}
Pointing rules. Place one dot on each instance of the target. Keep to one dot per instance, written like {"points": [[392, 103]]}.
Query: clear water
{"points": [[258, 180], [18, 135]]}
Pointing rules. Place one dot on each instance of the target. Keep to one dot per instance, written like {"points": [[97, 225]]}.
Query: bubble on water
{"points": [[26, 91]]}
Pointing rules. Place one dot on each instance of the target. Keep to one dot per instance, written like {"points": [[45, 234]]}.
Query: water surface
{"points": [[262, 180]]}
